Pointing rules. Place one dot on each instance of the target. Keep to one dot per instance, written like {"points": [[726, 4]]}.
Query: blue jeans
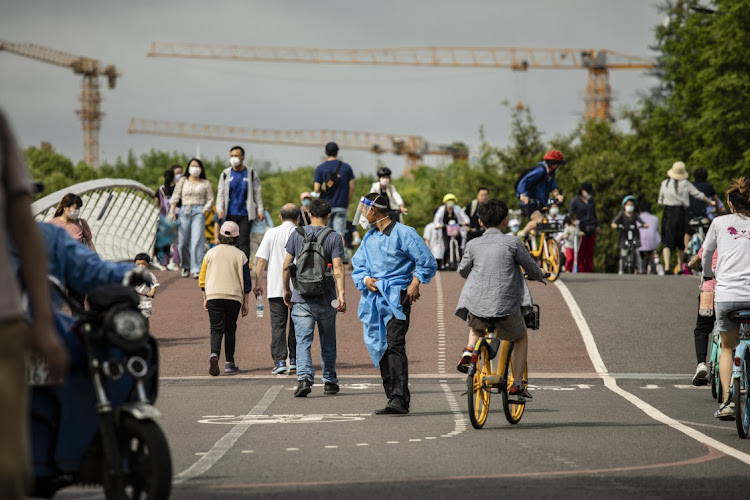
{"points": [[338, 219], [192, 236], [305, 316]]}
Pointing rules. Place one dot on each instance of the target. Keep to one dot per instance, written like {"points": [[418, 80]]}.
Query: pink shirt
{"points": [[78, 229]]}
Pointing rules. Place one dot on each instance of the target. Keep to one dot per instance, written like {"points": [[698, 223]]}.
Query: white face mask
{"points": [[554, 211], [628, 209], [74, 213], [195, 171], [450, 204], [234, 161], [177, 177], [364, 222], [384, 181], [586, 196]]}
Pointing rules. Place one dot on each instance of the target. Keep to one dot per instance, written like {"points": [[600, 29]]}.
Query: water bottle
{"points": [[259, 306]]}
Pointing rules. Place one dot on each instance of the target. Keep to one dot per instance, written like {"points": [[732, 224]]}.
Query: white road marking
{"points": [[363, 444], [391, 442], [292, 449], [226, 443], [651, 386], [201, 453], [611, 383], [285, 419], [440, 325], [331, 447], [691, 387], [247, 451], [414, 440]]}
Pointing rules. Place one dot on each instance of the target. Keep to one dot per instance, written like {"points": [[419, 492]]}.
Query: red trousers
{"points": [[569, 258], [586, 254]]}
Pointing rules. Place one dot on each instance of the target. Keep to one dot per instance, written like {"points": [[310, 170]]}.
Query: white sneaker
{"points": [[158, 266], [700, 374], [184, 273], [172, 267]]}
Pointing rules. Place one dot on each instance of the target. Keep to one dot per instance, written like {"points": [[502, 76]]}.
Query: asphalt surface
{"points": [[246, 436]]}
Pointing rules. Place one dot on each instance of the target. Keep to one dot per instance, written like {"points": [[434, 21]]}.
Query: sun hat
{"points": [[678, 172], [230, 228]]}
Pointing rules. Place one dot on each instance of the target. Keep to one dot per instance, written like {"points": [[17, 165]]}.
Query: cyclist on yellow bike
{"points": [[535, 186], [495, 289]]}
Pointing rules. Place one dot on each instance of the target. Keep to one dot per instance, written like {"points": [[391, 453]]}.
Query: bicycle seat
{"points": [[741, 315]]}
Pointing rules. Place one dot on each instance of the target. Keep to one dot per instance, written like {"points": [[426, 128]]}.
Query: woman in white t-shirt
{"points": [[729, 235]]}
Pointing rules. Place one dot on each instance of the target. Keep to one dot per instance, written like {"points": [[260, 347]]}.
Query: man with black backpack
{"points": [[315, 265], [334, 182]]}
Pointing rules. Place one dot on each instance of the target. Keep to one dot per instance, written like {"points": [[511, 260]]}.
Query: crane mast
{"points": [[598, 94], [90, 112]]}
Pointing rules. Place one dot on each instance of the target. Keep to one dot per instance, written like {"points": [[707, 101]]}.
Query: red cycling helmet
{"points": [[555, 156]]}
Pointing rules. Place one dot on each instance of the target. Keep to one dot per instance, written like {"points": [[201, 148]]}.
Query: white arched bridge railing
{"points": [[121, 213]]}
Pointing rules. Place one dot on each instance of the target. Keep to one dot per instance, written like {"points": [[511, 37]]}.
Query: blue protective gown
{"points": [[393, 260]]}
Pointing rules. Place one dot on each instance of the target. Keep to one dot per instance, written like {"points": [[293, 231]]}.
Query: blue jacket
{"points": [[73, 264], [393, 258], [537, 184]]}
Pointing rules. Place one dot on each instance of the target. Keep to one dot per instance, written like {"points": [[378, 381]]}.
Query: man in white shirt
{"points": [[271, 253]]}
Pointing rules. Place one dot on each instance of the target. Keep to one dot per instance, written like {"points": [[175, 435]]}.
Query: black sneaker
{"points": [[330, 388], [392, 408], [465, 361], [304, 387]]}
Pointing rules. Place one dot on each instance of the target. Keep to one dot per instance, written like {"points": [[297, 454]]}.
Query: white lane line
{"points": [[226, 443], [363, 444], [331, 447], [391, 442], [611, 383], [440, 325], [459, 421], [292, 449], [247, 451]]}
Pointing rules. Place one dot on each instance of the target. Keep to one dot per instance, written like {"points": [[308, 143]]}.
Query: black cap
{"points": [[332, 149], [587, 187]]}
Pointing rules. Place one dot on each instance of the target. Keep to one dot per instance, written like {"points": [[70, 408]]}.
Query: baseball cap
{"points": [[230, 228], [304, 195], [332, 148]]}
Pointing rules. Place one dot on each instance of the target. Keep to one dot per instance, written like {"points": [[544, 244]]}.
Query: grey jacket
{"points": [[254, 199], [495, 286]]}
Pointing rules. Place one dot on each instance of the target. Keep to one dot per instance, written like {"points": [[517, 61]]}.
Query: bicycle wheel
{"points": [[741, 405], [630, 261], [453, 265], [551, 261], [479, 396], [513, 409]]}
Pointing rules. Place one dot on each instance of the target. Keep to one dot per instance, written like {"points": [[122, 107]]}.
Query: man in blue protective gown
{"points": [[390, 264]]}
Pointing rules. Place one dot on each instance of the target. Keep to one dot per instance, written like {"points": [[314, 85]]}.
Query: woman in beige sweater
{"points": [[225, 282], [197, 197]]}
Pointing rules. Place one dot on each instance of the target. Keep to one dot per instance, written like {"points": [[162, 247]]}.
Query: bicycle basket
{"points": [[453, 230], [550, 227], [531, 317]]}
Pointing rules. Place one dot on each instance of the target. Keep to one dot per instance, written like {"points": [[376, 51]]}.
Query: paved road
{"points": [[635, 428]]}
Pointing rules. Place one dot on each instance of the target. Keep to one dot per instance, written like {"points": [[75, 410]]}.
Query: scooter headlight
{"points": [[127, 329]]}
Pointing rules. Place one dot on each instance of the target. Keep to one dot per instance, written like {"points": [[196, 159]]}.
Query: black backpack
{"points": [[311, 275], [524, 173]]}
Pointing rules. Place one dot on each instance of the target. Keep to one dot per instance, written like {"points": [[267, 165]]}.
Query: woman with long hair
{"points": [[162, 199], [197, 197], [68, 217], [729, 236]]}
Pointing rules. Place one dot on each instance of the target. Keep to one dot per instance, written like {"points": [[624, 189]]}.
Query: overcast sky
{"points": [[440, 104]]}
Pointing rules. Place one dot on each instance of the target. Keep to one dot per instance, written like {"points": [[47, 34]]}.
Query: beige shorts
{"points": [[511, 327]]}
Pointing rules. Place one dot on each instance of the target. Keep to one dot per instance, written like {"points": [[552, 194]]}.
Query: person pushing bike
{"points": [[535, 186]]}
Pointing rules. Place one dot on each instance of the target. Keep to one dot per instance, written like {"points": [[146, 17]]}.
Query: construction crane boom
{"points": [[411, 146], [598, 62], [90, 97]]}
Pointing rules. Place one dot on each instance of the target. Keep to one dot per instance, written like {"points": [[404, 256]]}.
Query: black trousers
{"points": [[222, 314], [394, 366], [245, 225], [704, 325], [281, 316]]}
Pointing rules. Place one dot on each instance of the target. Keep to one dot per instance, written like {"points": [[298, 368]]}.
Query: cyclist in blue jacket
{"points": [[534, 189]]}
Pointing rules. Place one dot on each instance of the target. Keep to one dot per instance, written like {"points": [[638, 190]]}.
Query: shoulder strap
{"points": [[338, 168], [301, 232], [324, 234]]}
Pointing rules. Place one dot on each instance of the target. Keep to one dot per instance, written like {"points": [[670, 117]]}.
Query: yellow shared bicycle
{"points": [[491, 369], [543, 247]]}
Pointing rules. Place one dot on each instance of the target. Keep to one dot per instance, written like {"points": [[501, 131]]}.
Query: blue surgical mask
{"points": [[306, 202]]}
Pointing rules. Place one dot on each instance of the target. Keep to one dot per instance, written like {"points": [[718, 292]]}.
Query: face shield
{"points": [[364, 207]]}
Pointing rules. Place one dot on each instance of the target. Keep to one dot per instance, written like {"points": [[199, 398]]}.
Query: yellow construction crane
{"points": [[598, 95], [91, 69], [411, 146]]}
